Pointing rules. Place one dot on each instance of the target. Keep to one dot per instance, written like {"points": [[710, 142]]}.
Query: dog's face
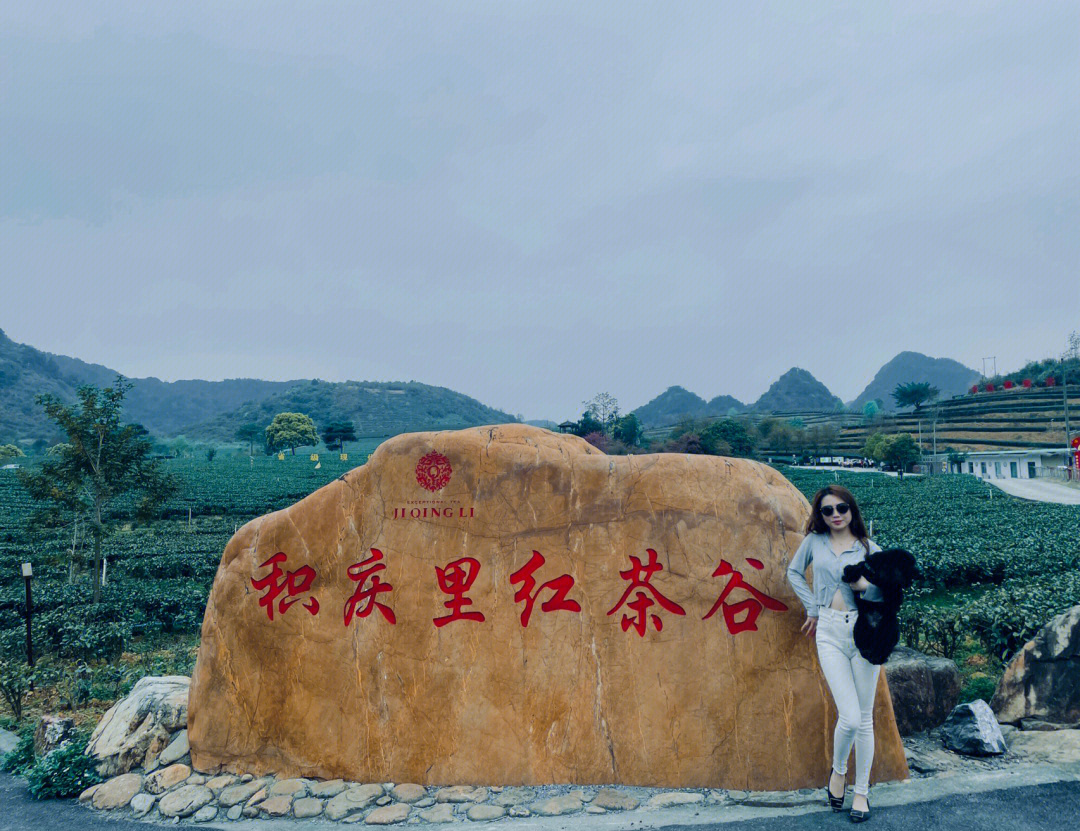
{"points": [[892, 568]]}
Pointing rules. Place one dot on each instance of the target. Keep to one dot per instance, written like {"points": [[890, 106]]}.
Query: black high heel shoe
{"points": [[861, 816], [837, 802]]}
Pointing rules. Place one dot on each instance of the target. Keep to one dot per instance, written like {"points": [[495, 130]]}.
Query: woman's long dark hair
{"points": [[817, 523]]}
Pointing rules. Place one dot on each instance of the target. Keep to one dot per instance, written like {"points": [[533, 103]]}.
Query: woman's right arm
{"points": [[796, 574]]}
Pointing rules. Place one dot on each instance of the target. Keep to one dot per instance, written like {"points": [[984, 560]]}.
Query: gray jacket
{"points": [[828, 571]]}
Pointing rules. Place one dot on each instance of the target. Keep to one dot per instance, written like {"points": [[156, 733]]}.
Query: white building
{"points": [[1007, 464]]}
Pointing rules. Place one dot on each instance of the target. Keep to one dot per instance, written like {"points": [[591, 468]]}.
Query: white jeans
{"points": [[853, 681]]}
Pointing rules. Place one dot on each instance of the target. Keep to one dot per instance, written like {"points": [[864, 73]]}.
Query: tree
{"points": [[914, 394], [902, 450], [627, 430], [291, 430], [337, 433], [250, 433], [103, 473], [730, 432], [10, 451], [870, 410], [589, 423], [211, 452], [875, 447], [604, 408]]}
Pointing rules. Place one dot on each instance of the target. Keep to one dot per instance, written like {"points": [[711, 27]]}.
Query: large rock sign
{"points": [[510, 606]]}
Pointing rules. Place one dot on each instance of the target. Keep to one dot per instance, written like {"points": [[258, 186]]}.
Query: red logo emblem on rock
{"points": [[433, 471]]}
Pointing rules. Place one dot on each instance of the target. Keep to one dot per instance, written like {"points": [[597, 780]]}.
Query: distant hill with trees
{"points": [[797, 390], [216, 410], [949, 376], [376, 409], [677, 404]]}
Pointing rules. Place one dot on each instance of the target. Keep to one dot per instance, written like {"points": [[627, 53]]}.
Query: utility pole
{"points": [[28, 573], [1065, 398]]}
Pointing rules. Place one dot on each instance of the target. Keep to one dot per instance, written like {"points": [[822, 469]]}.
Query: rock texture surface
{"points": [[972, 729], [924, 689], [140, 724], [387, 639], [1043, 680]]}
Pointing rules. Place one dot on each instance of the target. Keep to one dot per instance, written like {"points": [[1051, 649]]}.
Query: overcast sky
{"points": [[533, 202]]}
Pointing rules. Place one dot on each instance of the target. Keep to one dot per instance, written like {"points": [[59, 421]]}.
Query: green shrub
{"points": [[981, 686], [65, 771], [21, 758]]}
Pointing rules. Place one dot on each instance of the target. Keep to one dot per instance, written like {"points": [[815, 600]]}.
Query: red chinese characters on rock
{"points": [[751, 605], [455, 579], [293, 583], [640, 578], [365, 599], [559, 588]]}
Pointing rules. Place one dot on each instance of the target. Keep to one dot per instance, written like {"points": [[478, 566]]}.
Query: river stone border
{"points": [[176, 793]]}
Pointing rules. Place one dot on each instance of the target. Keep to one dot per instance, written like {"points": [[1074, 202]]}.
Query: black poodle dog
{"points": [[877, 628]]}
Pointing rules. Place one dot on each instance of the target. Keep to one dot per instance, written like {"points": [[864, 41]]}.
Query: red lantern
{"points": [[989, 387], [1027, 383], [1009, 385], [974, 389], [1051, 381], [1076, 441]]}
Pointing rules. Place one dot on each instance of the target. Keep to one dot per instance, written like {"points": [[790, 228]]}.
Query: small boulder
{"points": [[176, 750], [669, 799], [388, 814], [117, 792], [161, 780], [141, 804], [408, 792], [443, 812], [327, 789], [613, 800], [352, 800], [485, 813], [288, 787], [461, 793], [222, 780], [140, 725], [52, 732], [1043, 680], [513, 796], [307, 806], [971, 729], [184, 801], [276, 806], [205, 813], [235, 794], [924, 689], [556, 806]]}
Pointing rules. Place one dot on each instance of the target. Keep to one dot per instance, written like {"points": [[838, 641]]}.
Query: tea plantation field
{"points": [[158, 574], [993, 569]]}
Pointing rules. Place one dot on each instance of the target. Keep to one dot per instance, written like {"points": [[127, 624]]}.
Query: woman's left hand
{"points": [[860, 585]]}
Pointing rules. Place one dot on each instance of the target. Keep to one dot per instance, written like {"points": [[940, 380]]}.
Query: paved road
{"points": [[1053, 807], [1040, 490], [21, 812]]}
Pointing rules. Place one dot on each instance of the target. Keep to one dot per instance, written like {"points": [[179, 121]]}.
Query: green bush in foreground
{"points": [[65, 771], [21, 758]]}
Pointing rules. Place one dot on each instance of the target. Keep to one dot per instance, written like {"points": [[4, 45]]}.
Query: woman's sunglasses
{"points": [[841, 508]]}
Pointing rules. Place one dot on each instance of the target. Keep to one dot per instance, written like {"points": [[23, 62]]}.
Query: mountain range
{"points": [[799, 391], [214, 410]]}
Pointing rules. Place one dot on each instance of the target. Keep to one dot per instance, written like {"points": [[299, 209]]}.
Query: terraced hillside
{"points": [[1016, 418]]}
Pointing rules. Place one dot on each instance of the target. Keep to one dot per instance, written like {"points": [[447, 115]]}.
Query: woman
{"points": [[836, 537]]}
